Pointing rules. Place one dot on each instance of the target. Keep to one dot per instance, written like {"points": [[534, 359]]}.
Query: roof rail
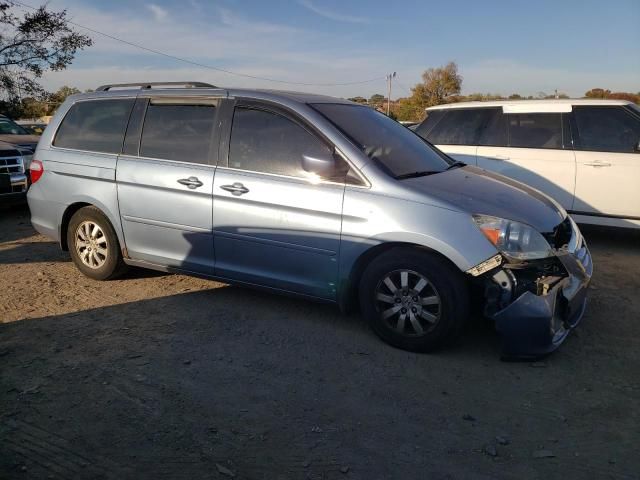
{"points": [[149, 85]]}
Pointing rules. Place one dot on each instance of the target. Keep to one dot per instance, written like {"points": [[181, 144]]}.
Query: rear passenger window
{"points": [[433, 117], [460, 127], [495, 131], [95, 125], [263, 141], [607, 129], [178, 132], [535, 130]]}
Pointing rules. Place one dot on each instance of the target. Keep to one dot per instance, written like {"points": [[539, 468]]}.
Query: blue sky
{"points": [[500, 46]]}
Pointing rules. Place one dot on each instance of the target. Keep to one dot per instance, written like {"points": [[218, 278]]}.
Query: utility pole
{"points": [[389, 78]]}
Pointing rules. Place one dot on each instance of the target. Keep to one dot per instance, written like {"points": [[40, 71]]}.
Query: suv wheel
{"points": [[93, 245], [414, 300]]}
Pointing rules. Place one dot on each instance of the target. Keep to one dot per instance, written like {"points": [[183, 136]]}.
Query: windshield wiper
{"points": [[456, 164], [416, 174]]}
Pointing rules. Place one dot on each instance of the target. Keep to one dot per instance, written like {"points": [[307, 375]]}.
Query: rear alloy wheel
{"points": [[414, 299], [93, 245]]}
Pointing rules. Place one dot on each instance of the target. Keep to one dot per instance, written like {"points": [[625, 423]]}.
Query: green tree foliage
{"points": [[602, 93], [30, 44], [358, 99], [61, 95], [438, 85], [376, 100]]}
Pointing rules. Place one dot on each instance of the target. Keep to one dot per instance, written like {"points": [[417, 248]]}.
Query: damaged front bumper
{"points": [[536, 305]]}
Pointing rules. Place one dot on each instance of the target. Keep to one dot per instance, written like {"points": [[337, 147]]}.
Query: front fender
{"points": [[370, 220]]}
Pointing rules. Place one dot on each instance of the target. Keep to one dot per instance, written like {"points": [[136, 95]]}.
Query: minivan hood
{"points": [[474, 190]]}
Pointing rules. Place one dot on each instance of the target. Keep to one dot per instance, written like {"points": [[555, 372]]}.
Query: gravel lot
{"points": [[166, 376]]}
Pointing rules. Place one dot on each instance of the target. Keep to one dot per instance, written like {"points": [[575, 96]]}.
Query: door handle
{"points": [[236, 189], [191, 182], [500, 157], [597, 163]]}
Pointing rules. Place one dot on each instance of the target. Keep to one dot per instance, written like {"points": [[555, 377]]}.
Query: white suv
{"points": [[584, 153]]}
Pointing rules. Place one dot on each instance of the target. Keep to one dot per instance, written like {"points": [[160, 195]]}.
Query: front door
{"points": [[165, 182], [608, 175], [275, 224]]}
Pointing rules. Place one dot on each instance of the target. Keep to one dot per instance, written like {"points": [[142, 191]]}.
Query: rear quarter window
{"points": [[460, 127], [95, 125]]}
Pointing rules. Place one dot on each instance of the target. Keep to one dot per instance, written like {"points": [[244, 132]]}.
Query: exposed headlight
{"points": [[513, 239]]}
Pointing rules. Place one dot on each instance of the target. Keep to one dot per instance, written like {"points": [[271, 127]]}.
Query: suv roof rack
{"points": [[149, 85]]}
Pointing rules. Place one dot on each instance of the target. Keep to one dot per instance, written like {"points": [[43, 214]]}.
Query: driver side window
{"points": [[265, 141]]}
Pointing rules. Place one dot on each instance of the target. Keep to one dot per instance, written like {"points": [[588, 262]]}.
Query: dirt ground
{"points": [[165, 376]]}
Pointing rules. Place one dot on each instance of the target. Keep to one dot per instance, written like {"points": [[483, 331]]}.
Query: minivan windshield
{"points": [[9, 127], [394, 148]]}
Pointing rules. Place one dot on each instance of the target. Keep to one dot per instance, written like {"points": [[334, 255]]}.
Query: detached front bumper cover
{"points": [[534, 325]]}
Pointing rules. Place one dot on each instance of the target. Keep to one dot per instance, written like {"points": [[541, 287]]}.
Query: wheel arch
{"points": [[72, 208], [349, 291]]}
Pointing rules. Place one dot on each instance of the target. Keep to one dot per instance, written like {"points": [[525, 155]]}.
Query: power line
{"points": [[210, 67]]}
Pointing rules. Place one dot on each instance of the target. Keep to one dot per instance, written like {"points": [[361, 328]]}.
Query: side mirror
{"points": [[322, 164]]}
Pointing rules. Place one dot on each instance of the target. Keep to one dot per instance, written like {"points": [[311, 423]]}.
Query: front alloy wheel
{"points": [[408, 302], [414, 299]]}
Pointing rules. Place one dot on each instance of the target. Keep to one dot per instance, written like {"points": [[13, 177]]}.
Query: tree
{"points": [[597, 93], [61, 95], [31, 44], [358, 99], [437, 85], [376, 99]]}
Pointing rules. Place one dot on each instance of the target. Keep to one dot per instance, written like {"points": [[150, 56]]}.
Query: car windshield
{"points": [[395, 149], [9, 127]]}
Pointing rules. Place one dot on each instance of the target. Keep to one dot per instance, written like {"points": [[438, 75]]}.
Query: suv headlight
{"points": [[513, 239]]}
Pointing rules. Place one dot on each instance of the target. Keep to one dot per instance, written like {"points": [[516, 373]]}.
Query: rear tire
{"points": [[93, 245], [414, 300]]}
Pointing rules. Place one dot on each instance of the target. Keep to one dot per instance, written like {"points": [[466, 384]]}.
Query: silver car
{"points": [[312, 196]]}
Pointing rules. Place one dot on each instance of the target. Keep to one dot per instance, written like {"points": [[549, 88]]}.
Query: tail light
{"points": [[36, 170]]}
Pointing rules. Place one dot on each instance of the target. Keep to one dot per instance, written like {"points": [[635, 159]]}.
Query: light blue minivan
{"points": [[306, 195]]}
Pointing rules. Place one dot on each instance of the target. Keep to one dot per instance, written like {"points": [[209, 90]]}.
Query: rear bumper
{"points": [[535, 325], [44, 213]]}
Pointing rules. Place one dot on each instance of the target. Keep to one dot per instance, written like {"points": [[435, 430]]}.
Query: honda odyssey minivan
{"points": [[311, 196]]}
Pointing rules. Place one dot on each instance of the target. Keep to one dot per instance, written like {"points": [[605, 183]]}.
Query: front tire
{"points": [[93, 245], [413, 299]]}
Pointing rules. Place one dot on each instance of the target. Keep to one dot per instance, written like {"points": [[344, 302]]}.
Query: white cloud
{"points": [[159, 14], [217, 37], [326, 13]]}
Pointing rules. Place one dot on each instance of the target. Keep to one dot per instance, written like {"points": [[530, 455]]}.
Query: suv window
{"points": [[265, 141], [178, 132], [95, 125], [433, 117], [460, 127], [535, 130], [495, 131], [607, 129]]}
